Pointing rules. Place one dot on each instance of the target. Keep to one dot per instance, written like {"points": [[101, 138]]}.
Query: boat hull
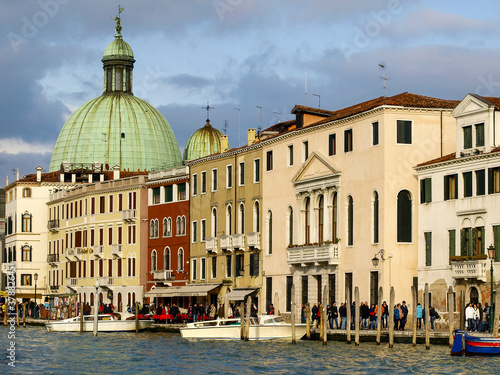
{"points": [[103, 326], [465, 344], [233, 332]]}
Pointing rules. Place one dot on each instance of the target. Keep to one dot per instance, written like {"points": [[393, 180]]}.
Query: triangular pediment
{"points": [[471, 104], [315, 167]]}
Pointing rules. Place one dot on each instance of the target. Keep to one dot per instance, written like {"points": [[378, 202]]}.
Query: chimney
{"points": [[224, 143], [6, 180], [38, 174], [116, 172], [17, 174], [251, 137]]}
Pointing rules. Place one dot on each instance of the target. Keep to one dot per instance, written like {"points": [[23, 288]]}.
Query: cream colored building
{"points": [[458, 207], [99, 232], [339, 187]]}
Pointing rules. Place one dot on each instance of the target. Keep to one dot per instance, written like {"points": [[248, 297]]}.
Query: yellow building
{"points": [[96, 233]]}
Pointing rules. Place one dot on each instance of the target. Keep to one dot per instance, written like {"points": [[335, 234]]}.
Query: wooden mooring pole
{"points": [[496, 312], [348, 309], [356, 316], [24, 315], [414, 311], [136, 317], [324, 317], [379, 313], [451, 315], [427, 317], [242, 320], [308, 321], [81, 314], [391, 317], [17, 313], [249, 310], [292, 315]]}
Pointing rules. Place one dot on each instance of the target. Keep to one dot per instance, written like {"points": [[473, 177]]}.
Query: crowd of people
{"points": [[477, 318]]}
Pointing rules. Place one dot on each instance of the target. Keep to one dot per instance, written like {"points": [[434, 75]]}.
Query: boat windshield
{"points": [[272, 320]]}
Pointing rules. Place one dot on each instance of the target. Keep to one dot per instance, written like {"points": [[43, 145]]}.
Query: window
{"points": [[26, 253], [375, 217], [254, 264], [256, 216], [229, 221], [480, 182], [166, 259], [25, 279], [132, 200], [305, 148], [290, 155], [194, 181], [203, 182], [472, 241], [110, 236], [26, 193], [467, 130], [169, 193], [494, 180], [375, 133], [214, 267], [450, 187], [451, 242], [168, 227], [403, 132], [466, 241], [467, 184], [229, 176], [350, 219], [307, 221], [214, 222], [181, 191], [214, 179], [425, 190], [153, 261], [479, 135], [194, 234], [120, 203], [203, 230], [242, 173], [26, 223], [131, 234], [193, 269], [428, 248], [102, 205], [203, 268], [335, 218], [404, 216], [348, 140], [288, 303], [152, 228], [332, 145], [256, 170], [240, 265], [321, 218], [110, 204], [242, 218], [496, 241], [290, 225], [269, 232], [269, 161], [229, 259]]}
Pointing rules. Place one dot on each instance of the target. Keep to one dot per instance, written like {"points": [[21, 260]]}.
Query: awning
{"points": [[182, 291], [239, 294]]}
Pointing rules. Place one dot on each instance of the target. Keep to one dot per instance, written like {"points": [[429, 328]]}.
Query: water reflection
{"points": [[158, 353]]}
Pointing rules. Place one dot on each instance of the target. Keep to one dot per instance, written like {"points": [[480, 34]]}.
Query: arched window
{"points": [[290, 225], [180, 260], [321, 219], [214, 222], [178, 225], [166, 259], [26, 193], [169, 227], [256, 216], [375, 217], [26, 223], [165, 227], [91, 299], [307, 221], [404, 216], [153, 261], [270, 232], [229, 220], [26, 255], [152, 228], [350, 221], [157, 225], [335, 215], [183, 225], [242, 218]]}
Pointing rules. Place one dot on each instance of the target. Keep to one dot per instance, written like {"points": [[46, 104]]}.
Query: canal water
{"points": [[39, 352]]}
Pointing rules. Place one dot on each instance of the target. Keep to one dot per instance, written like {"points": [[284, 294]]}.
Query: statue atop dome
{"points": [[118, 27]]}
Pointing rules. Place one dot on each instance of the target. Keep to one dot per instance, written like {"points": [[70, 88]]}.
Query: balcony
{"points": [[469, 269], [53, 259], [53, 225], [129, 215], [116, 250], [225, 243], [301, 255], [162, 275], [253, 240], [68, 253], [78, 253], [238, 241], [54, 288], [105, 281], [97, 251], [211, 244], [71, 282]]}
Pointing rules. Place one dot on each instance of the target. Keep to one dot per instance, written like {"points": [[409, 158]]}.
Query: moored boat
{"points": [[264, 327], [465, 344], [106, 323]]}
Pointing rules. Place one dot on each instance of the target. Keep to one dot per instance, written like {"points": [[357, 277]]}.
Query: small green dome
{"points": [[118, 49], [203, 142]]}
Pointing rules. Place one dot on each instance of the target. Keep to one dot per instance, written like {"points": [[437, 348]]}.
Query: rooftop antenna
{"points": [[319, 100], [239, 143], [225, 127], [260, 119], [208, 108], [306, 88], [278, 113], [383, 66]]}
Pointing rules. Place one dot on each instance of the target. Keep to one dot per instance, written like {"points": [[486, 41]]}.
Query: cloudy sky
{"points": [[233, 53]]}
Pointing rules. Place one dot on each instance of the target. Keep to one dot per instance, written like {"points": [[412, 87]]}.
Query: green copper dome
{"points": [[117, 128], [203, 142]]}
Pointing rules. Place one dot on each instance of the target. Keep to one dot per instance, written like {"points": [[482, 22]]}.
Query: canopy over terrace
{"points": [[240, 294], [182, 291]]}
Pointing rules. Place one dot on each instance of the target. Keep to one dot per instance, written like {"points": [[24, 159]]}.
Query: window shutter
{"points": [[490, 180], [463, 250], [446, 189]]}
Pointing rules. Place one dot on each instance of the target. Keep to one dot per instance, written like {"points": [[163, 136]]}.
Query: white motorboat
{"points": [[106, 323], [265, 327]]}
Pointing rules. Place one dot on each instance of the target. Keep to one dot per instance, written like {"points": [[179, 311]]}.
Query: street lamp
{"points": [[491, 255], [375, 260], [96, 306], [36, 278]]}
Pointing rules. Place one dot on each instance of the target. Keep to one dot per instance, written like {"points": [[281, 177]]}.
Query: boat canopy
{"points": [[195, 290], [240, 294]]}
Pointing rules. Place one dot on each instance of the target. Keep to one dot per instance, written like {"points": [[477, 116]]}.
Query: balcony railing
{"points": [[129, 215], [97, 251], [53, 225], [162, 275], [69, 253], [225, 243], [54, 288], [106, 281], [211, 244], [53, 258], [253, 240], [238, 241], [116, 249], [470, 269], [72, 281], [325, 253]]}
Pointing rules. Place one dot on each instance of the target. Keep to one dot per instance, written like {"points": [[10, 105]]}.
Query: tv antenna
{"points": [[383, 66], [319, 100], [225, 127], [260, 118], [207, 108]]}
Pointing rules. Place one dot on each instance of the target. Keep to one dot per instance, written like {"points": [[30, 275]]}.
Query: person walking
{"points": [[385, 314], [335, 314], [343, 316], [419, 316], [397, 316], [404, 316]]}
